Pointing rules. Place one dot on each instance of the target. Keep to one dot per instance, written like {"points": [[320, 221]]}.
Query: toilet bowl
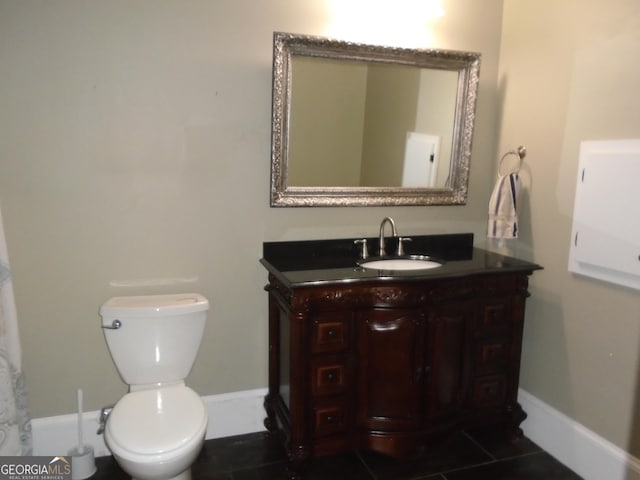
{"points": [[157, 433], [157, 430]]}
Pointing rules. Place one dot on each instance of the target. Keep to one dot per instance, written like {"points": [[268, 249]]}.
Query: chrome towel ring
{"points": [[520, 152]]}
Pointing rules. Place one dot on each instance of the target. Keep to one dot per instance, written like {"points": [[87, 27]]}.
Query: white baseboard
{"points": [[230, 414], [586, 453]]}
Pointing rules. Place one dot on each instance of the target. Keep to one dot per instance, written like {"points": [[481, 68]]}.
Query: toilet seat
{"points": [[156, 422]]}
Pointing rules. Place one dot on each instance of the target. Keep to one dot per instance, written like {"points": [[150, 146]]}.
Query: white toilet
{"points": [[155, 431]]}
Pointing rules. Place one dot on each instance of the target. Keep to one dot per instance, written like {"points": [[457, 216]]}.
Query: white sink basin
{"points": [[414, 262]]}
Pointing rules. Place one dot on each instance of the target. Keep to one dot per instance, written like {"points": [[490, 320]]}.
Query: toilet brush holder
{"points": [[83, 463]]}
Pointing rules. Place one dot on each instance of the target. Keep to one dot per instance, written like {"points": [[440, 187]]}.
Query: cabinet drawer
{"points": [[493, 316], [330, 334], [491, 356], [330, 419], [328, 378], [489, 391]]}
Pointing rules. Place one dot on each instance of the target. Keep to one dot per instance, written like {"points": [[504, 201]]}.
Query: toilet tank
{"points": [[158, 336]]}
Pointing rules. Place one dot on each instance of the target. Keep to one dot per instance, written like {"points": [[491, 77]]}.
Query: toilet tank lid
{"points": [[157, 305]]}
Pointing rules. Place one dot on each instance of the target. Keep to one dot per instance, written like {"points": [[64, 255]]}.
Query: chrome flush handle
{"points": [[102, 421], [115, 325]]}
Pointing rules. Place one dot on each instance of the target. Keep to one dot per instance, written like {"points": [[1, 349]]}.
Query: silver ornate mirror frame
{"points": [[467, 64]]}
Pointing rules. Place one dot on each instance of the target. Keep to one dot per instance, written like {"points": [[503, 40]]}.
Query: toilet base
{"points": [[183, 476]]}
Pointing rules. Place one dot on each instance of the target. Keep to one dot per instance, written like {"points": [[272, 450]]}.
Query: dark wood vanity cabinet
{"points": [[391, 365]]}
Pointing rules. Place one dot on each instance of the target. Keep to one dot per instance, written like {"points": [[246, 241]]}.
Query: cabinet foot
{"points": [[270, 422], [516, 416]]}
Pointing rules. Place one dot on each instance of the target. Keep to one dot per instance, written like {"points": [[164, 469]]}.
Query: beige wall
{"points": [[436, 114], [134, 145], [325, 127], [389, 114], [569, 71]]}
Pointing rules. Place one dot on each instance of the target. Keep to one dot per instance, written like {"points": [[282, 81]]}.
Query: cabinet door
{"points": [[449, 358], [391, 368]]}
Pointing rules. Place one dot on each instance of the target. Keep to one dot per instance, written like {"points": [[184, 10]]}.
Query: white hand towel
{"points": [[503, 213]]}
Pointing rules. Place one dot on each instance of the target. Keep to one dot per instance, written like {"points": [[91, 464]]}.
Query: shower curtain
{"points": [[15, 425]]}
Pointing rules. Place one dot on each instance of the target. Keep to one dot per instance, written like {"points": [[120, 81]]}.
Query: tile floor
{"points": [[477, 456]]}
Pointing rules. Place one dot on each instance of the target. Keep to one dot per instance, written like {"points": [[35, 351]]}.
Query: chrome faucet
{"points": [[381, 251]]}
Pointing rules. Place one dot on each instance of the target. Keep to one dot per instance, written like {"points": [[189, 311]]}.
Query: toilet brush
{"points": [[79, 402], [83, 463]]}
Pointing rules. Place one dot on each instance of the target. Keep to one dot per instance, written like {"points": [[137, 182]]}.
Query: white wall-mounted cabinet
{"points": [[605, 239]]}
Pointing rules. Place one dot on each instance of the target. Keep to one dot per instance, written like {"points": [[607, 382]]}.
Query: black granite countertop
{"points": [[315, 262]]}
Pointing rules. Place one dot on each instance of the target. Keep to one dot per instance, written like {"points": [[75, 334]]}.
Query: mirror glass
{"points": [[357, 124]]}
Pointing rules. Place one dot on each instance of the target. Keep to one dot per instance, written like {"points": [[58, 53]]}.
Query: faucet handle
{"points": [[364, 253], [400, 251]]}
